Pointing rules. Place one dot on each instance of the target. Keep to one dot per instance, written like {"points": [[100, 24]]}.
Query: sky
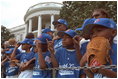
{"points": [[13, 11]]}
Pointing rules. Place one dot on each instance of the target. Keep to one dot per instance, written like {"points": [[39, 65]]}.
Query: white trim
{"points": [[47, 12], [39, 25], [52, 19], [30, 25]]}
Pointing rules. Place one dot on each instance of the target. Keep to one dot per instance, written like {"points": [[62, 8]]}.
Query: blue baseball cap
{"points": [[9, 51], [47, 30], [61, 21], [43, 38], [69, 32], [79, 29], [104, 22], [86, 22], [27, 41]]}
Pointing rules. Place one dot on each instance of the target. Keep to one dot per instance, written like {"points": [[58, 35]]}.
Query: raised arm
{"points": [[26, 65], [51, 49], [76, 41], [3, 61], [14, 51], [40, 55], [30, 61]]}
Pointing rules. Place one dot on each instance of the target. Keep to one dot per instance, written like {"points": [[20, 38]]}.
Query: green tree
{"points": [[5, 34], [75, 12]]}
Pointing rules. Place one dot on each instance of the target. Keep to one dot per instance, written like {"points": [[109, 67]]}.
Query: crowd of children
{"points": [[64, 48]]}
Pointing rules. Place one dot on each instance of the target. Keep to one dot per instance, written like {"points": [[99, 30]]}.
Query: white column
{"points": [[30, 25], [39, 25], [26, 29], [52, 19]]}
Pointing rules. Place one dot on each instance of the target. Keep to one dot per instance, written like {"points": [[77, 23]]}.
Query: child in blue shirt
{"points": [[24, 57], [42, 57], [11, 67], [66, 56], [103, 27]]}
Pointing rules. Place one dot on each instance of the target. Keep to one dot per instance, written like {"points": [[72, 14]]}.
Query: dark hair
{"points": [[54, 22], [30, 36], [103, 11]]}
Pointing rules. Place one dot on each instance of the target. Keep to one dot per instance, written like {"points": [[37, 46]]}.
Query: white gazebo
{"points": [[41, 16], [37, 17]]}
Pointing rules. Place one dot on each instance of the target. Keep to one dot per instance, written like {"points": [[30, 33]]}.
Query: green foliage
{"points": [[75, 12], [5, 34]]}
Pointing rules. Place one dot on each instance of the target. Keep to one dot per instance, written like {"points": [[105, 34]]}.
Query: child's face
{"points": [[25, 46], [60, 27], [101, 32], [67, 41], [50, 33], [44, 47], [35, 50]]}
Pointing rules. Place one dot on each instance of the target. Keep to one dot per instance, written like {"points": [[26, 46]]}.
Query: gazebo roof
{"points": [[43, 6]]}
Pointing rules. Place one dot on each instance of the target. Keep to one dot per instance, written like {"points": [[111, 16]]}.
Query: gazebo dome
{"points": [[43, 8], [41, 16]]}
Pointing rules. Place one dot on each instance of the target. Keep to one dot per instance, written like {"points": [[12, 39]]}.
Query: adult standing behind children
{"points": [[100, 13]]}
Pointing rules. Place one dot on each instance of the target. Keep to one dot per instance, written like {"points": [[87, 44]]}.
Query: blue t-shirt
{"points": [[57, 44], [67, 58], [37, 73], [83, 48], [11, 71], [18, 51], [24, 57], [113, 55]]}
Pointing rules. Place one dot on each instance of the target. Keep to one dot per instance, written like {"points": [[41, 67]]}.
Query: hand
{"points": [[76, 41], [26, 64], [38, 45], [102, 66], [7, 49], [83, 60], [56, 37], [22, 66], [50, 46], [17, 45], [8, 58]]}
